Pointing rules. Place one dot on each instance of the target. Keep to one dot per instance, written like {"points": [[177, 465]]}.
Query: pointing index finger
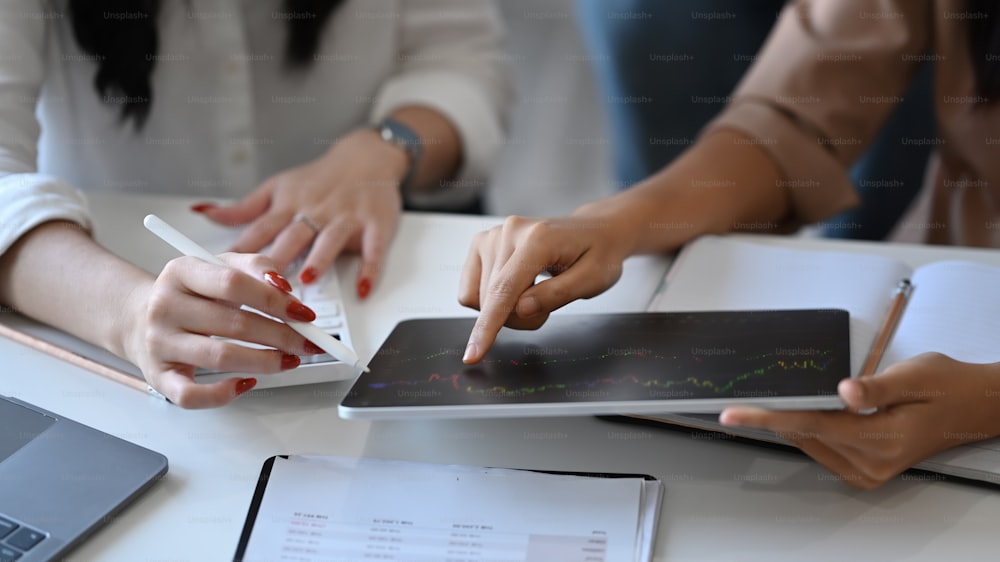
{"points": [[502, 293]]}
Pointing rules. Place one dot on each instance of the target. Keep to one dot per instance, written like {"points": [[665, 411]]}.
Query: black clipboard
{"points": [[258, 496]]}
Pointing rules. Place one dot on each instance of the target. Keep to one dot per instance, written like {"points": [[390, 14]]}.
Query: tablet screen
{"points": [[736, 356]]}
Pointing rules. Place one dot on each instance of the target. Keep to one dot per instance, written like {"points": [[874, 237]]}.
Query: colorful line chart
{"points": [[614, 357]]}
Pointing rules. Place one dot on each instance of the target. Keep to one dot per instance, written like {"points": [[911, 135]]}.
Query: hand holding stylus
{"points": [[169, 323], [188, 247]]}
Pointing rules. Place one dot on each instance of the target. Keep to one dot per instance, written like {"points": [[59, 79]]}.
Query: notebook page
{"points": [[717, 273], [323, 508], [954, 309]]}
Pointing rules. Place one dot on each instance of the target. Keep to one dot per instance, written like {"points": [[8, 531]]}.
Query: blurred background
{"points": [[557, 153], [585, 119]]}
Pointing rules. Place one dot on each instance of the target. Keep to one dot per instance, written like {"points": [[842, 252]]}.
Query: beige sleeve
{"points": [[827, 78]]}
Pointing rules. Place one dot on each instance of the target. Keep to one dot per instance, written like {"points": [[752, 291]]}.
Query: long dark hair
{"points": [[122, 37], [984, 40]]}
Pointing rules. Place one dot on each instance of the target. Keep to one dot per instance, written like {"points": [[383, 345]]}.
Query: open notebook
{"points": [[954, 309], [119, 228]]}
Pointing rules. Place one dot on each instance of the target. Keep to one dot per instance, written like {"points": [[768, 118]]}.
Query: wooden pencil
{"points": [[73, 358], [900, 296]]}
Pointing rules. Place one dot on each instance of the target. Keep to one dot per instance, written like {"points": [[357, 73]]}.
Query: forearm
{"points": [[59, 275], [723, 183], [442, 147]]}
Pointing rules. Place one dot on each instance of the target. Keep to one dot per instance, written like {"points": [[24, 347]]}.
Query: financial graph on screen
{"points": [[615, 357]]}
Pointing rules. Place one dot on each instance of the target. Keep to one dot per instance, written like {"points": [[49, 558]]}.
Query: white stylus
{"points": [[311, 332]]}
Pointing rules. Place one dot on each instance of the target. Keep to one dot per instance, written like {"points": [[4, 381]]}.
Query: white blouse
{"points": [[226, 110]]}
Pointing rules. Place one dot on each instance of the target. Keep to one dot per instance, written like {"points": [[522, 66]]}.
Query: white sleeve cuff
{"points": [[463, 104], [28, 200]]}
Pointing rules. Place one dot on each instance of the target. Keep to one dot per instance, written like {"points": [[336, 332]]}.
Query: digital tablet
{"points": [[629, 363]]}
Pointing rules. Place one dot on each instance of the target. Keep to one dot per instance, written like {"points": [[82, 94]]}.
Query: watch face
{"points": [[394, 131]]}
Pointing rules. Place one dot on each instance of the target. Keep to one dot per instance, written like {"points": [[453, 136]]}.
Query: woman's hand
{"points": [[172, 318], [347, 199], [583, 253], [924, 405]]}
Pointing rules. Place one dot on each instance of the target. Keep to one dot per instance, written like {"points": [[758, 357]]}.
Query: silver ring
{"points": [[304, 219]]}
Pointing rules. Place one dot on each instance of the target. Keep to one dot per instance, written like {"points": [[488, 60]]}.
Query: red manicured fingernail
{"points": [[300, 312], [275, 279], [313, 349], [364, 287], [289, 361], [308, 275], [244, 385], [202, 207]]}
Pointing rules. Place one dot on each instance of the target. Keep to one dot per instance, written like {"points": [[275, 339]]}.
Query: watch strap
{"points": [[401, 135]]}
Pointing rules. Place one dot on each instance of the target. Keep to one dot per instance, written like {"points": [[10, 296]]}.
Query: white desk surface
{"points": [[723, 501]]}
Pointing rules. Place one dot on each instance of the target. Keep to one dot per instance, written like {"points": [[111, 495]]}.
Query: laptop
{"points": [[120, 229], [61, 480]]}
